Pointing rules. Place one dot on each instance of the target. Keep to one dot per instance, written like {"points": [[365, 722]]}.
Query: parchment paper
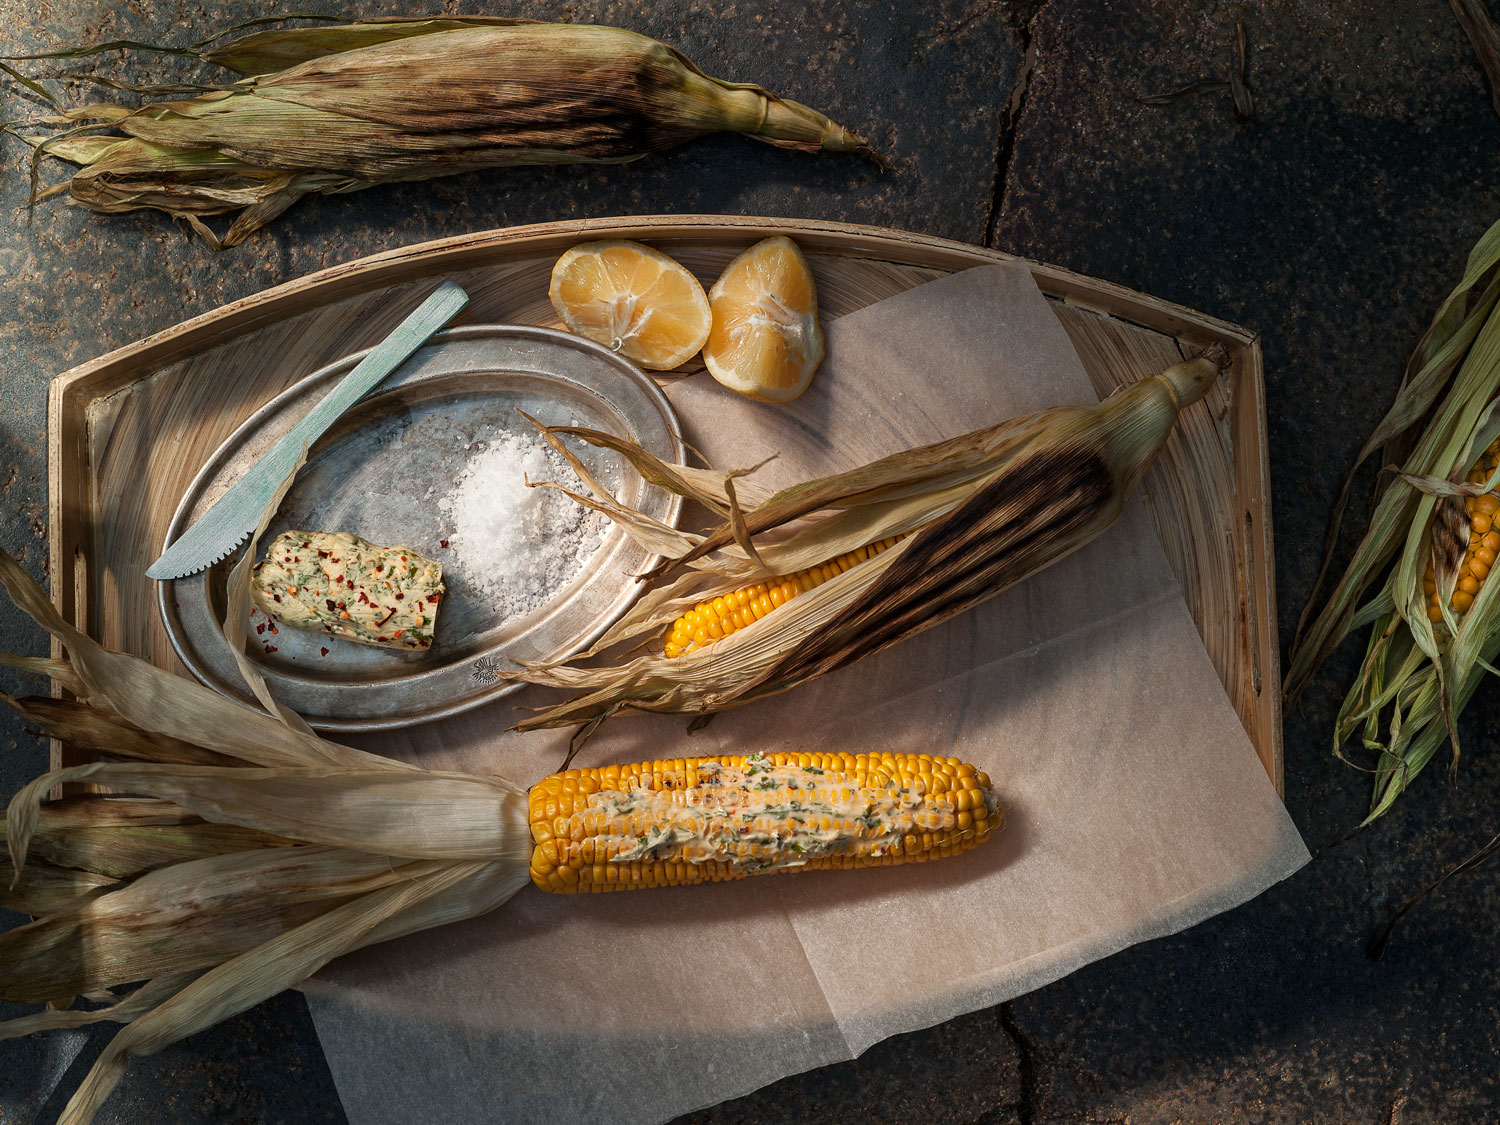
{"points": [[1135, 803]]}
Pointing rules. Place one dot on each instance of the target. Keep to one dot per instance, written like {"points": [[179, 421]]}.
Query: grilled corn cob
{"points": [[700, 820], [983, 511], [713, 620]]}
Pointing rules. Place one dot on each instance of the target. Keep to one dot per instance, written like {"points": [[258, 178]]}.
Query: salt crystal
{"points": [[516, 545]]}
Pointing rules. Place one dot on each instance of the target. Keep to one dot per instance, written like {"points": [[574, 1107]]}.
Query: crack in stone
{"points": [[1015, 106], [939, 34], [1027, 1109]]}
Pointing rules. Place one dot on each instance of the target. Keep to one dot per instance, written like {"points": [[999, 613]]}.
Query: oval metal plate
{"points": [[382, 472]]}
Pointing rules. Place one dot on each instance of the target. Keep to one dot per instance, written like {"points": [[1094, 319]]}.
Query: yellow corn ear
{"points": [[713, 620], [1484, 543], [700, 820]]}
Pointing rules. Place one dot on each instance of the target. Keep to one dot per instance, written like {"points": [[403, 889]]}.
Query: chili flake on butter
{"points": [[338, 584]]}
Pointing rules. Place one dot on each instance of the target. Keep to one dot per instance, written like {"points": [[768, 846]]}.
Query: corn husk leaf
{"points": [[35, 87], [46, 889], [121, 852], [348, 106], [980, 512], [187, 916], [136, 1003], [120, 175], [456, 891], [236, 623], [1429, 373], [265, 21], [416, 814], [59, 672], [268, 51], [1418, 675], [111, 812], [157, 701], [96, 728], [220, 885]]}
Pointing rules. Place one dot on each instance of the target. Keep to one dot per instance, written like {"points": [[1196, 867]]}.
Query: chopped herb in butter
{"points": [[340, 585]]}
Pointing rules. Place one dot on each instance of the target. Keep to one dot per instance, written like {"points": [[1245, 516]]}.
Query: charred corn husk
{"points": [[1420, 575], [973, 515], [253, 852], [410, 100], [701, 820]]}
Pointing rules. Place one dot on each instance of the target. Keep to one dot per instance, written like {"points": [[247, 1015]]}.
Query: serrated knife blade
{"points": [[235, 514]]}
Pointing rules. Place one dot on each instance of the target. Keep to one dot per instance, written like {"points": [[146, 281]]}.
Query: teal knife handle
{"points": [[445, 303]]}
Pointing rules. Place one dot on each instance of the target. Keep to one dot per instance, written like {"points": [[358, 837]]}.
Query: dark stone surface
{"points": [[1333, 222]]}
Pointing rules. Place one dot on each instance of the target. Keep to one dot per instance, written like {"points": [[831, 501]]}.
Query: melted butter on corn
{"points": [[706, 820]]}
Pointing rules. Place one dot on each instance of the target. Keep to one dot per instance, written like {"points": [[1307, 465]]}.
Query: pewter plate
{"points": [[383, 472]]}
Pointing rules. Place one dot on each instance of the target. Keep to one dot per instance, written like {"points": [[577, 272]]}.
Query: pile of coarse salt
{"points": [[517, 545]]}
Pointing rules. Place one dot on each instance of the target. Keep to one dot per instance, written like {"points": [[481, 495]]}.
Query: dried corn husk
{"points": [[251, 854], [379, 102], [984, 511], [1417, 675], [265, 51]]}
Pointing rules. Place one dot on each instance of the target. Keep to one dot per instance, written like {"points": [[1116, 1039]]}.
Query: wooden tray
{"points": [[128, 431]]}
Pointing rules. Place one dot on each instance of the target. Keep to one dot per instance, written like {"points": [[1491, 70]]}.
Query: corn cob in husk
{"points": [[370, 103], [951, 525], [1419, 576], [253, 852]]}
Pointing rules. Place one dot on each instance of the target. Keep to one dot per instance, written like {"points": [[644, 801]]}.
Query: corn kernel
{"points": [[726, 614]]}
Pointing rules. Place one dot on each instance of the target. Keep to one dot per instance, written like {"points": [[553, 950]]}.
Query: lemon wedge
{"points": [[765, 341], [632, 299]]}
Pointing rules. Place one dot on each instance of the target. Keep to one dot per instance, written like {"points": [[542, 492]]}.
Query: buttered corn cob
{"points": [[713, 620], [1484, 543], [699, 820]]}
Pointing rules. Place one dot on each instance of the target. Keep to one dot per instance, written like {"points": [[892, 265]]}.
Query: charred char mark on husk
{"points": [[618, 108], [1450, 535], [1004, 533]]}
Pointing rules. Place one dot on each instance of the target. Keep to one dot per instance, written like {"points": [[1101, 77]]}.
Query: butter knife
{"points": [[235, 514]]}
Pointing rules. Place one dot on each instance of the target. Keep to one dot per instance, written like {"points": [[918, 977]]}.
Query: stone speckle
{"points": [[1333, 222]]}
